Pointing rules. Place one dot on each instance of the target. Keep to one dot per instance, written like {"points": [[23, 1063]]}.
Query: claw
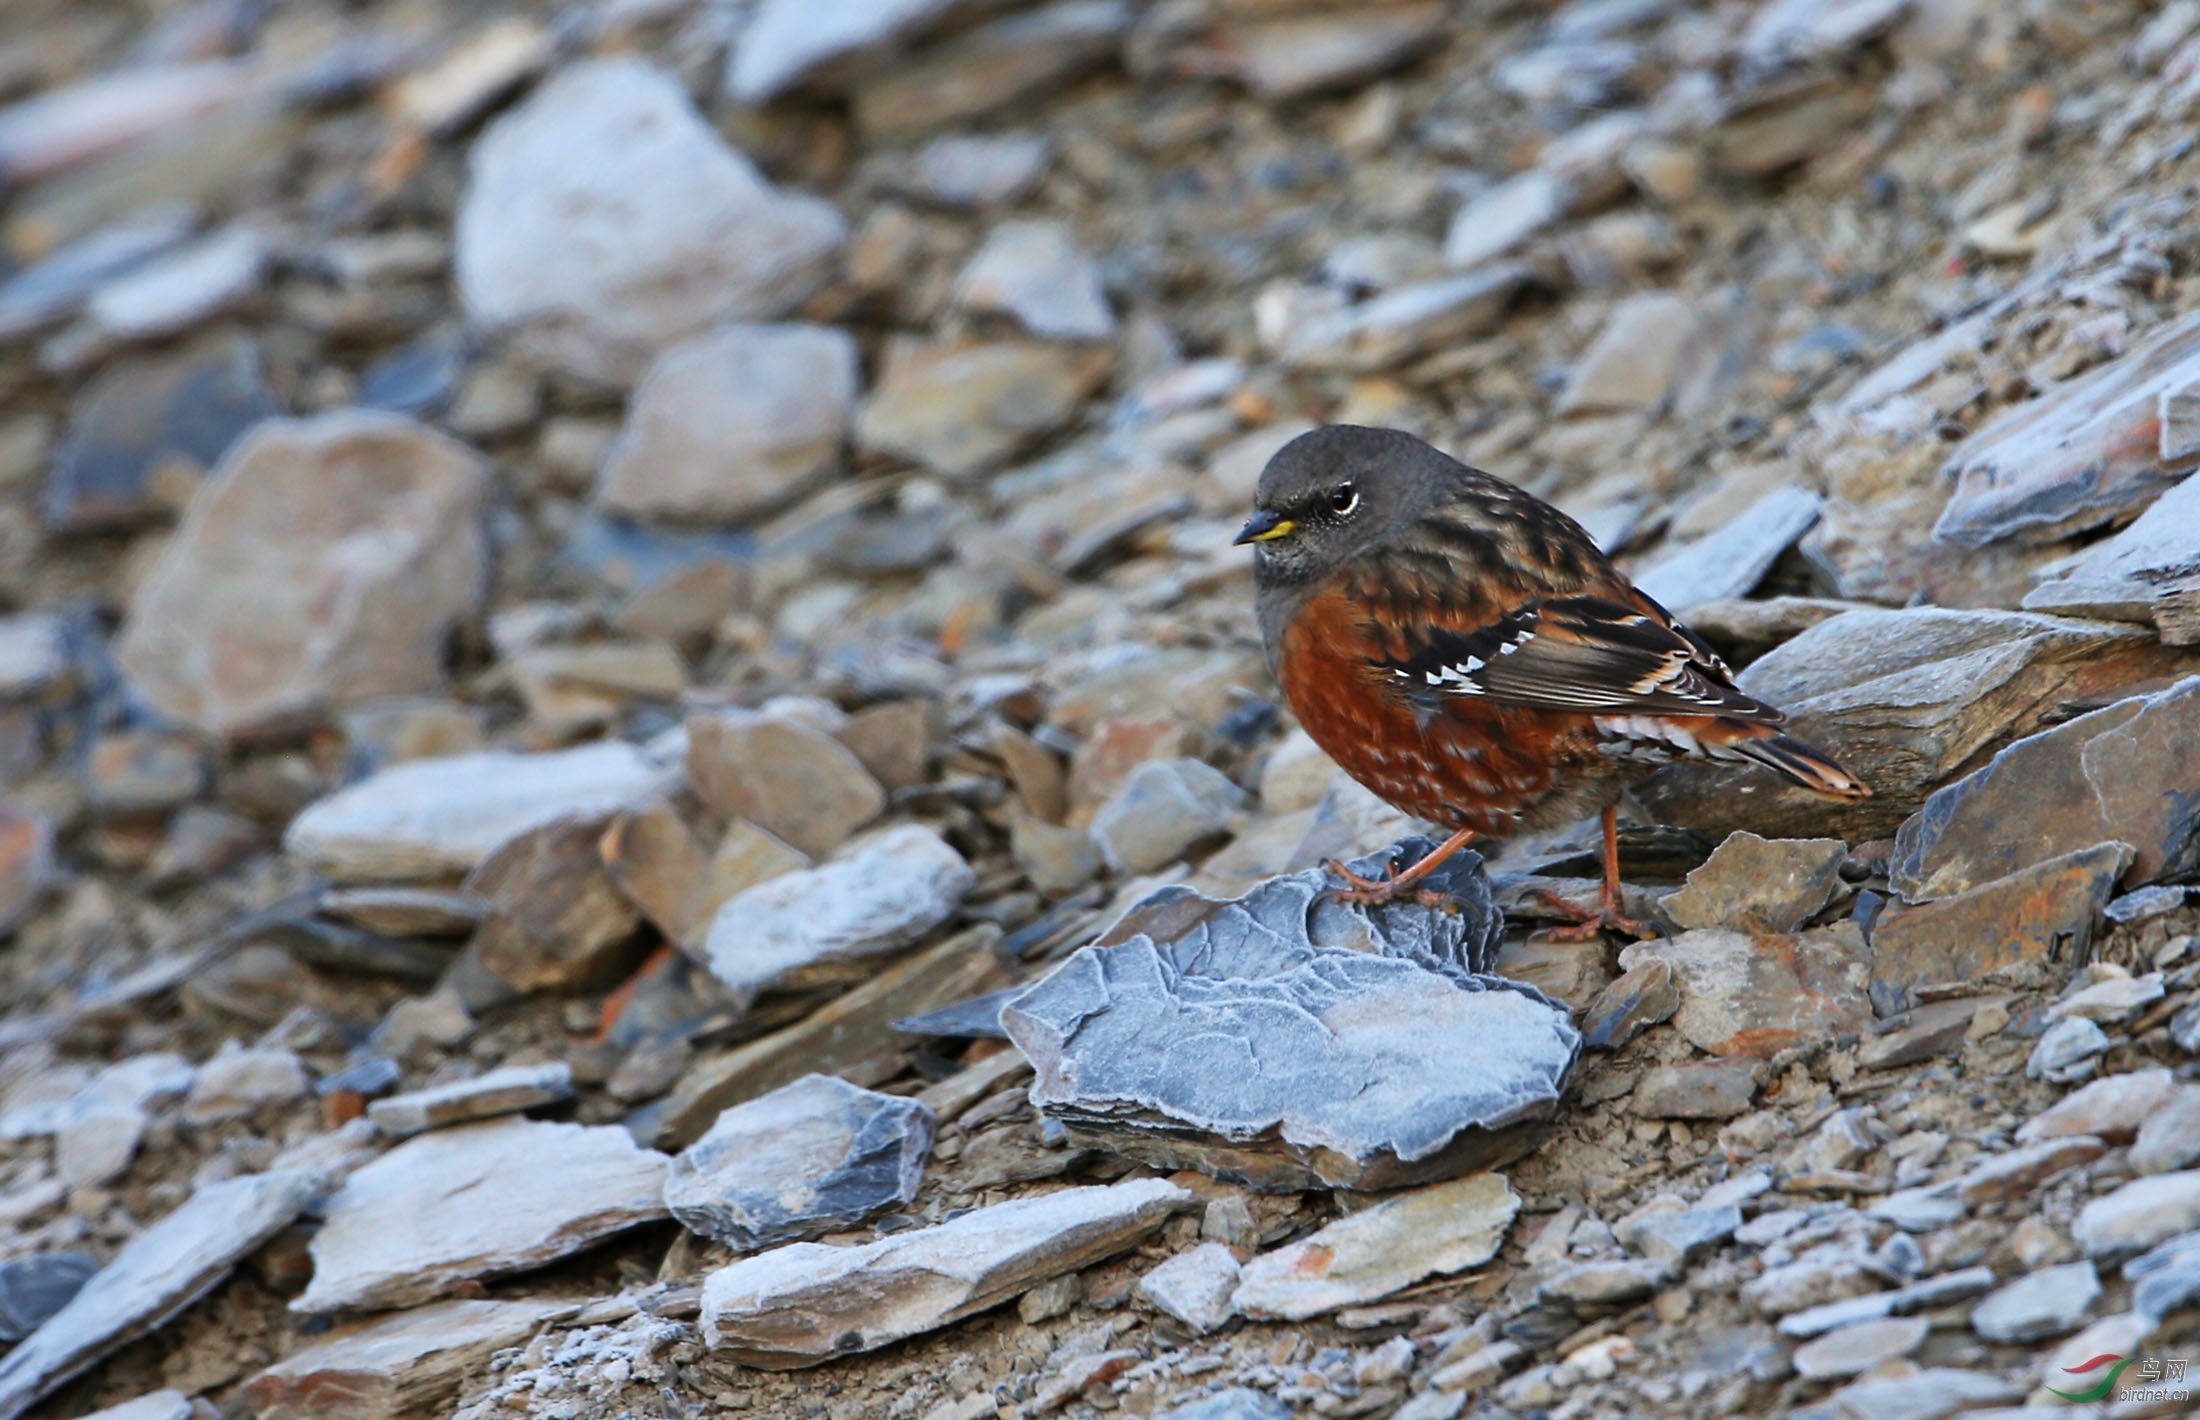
{"points": [[1589, 921]]}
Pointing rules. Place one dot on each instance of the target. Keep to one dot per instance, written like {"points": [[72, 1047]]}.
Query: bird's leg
{"points": [[1399, 884], [1607, 916]]}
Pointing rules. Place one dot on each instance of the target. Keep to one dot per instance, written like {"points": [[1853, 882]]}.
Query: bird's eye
{"points": [[1343, 499]]}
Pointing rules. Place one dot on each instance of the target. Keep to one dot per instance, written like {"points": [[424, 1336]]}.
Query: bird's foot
{"points": [[1370, 892], [1587, 922]]}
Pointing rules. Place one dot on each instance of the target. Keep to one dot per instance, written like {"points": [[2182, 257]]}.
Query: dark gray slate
{"points": [[978, 1018], [807, 1158], [148, 422], [2129, 772], [34, 1288], [1291, 1041]]}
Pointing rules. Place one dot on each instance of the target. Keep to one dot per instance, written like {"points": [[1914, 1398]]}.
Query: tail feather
{"points": [[1812, 768]]}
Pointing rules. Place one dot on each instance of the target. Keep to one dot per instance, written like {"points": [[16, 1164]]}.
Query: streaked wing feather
{"points": [[1583, 654]]}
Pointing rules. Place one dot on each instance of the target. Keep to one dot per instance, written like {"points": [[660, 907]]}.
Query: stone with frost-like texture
{"points": [[808, 1158], [326, 562], [480, 1200], [1250, 1039], [805, 1303], [156, 1274], [1744, 995], [2085, 454], [833, 922], [733, 423], [411, 1363], [1907, 700], [2110, 775], [1364, 1256], [431, 818], [604, 220], [1034, 272]]}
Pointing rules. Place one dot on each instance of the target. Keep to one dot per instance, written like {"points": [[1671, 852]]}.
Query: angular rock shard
{"points": [[408, 1364], [805, 1303], [1291, 1041], [807, 1158], [1444, 1228], [156, 1274]]}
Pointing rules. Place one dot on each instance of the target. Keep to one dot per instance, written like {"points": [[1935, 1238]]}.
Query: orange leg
{"points": [[1375, 890], [1607, 916]]}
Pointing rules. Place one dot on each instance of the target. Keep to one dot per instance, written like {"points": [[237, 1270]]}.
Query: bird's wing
{"points": [[1581, 653]]}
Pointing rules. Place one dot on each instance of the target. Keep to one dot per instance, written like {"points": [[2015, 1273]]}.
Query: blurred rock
{"points": [[1164, 808], [1288, 59], [412, 1363], [237, 1082], [963, 409], [981, 169], [1505, 217], [2146, 573], [2135, 1217], [1743, 995], [154, 1275], [1631, 363], [485, 1096], [2085, 454], [144, 431], [605, 220], [1033, 271], [789, 42], [1731, 562], [805, 1303], [2094, 778], [993, 66], [832, 923], [734, 423], [1906, 699], [439, 817], [556, 921], [1251, 1040], [47, 291], [326, 562], [2053, 1301], [1760, 885], [456, 1204], [1403, 324], [811, 1157], [35, 1286], [795, 782], [1441, 1229], [181, 288], [144, 772]]}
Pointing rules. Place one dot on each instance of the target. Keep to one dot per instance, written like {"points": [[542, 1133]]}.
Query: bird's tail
{"points": [[1812, 768]]}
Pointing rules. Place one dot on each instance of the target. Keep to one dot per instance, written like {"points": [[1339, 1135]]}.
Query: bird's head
{"points": [[1332, 494]]}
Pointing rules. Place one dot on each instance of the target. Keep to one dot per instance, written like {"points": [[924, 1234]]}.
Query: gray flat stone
{"points": [[1195, 1287], [1403, 324], [1365, 1256], [808, 1158], [2165, 1278], [2053, 1301], [412, 1363], [156, 1274], [805, 1303], [505, 1091], [2142, 1213], [1249, 1039]]}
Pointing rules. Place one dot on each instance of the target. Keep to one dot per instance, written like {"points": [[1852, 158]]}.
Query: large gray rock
{"points": [[832, 923], [155, 1275], [326, 562], [477, 1201], [604, 220], [431, 818], [2097, 778], [807, 1158], [805, 1303], [2147, 572], [1291, 1041], [1907, 699], [734, 423]]}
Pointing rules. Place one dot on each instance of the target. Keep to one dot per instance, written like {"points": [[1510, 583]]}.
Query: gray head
{"points": [[1333, 493]]}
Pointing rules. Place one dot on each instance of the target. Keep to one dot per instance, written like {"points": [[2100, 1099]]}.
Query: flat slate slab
{"points": [[1290, 1041]]}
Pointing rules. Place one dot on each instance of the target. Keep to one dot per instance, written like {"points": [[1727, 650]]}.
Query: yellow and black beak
{"points": [[1264, 526]]}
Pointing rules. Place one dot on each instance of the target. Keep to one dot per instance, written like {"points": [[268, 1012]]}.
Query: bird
{"points": [[1468, 653]]}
